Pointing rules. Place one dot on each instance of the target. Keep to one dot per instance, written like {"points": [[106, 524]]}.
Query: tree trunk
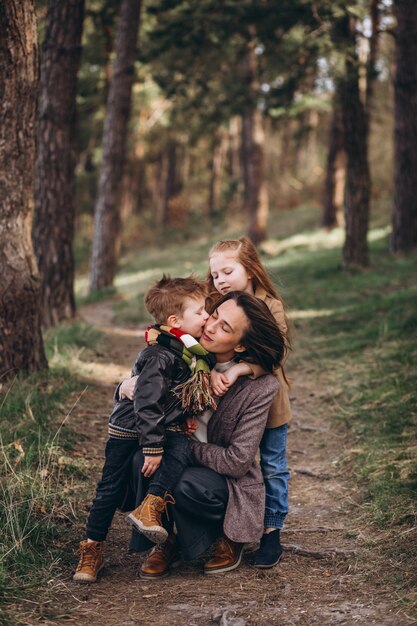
{"points": [[404, 219], [335, 171], [358, 180], [174, 207], [106, 211], [53, 229], [234, 168], [219, 149], [21, 346], [256, 190]]}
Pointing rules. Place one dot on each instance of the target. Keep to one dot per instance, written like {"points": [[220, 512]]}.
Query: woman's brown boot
{"points": [[160, 559], [227, 556]]}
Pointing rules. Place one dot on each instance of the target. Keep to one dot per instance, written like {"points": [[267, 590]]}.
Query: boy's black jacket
{"points": [[155, 406]]}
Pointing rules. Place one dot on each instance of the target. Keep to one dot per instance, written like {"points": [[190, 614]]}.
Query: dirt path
{"points": [[341, 587]]}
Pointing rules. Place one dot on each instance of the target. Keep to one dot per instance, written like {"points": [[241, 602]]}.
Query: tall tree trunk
{"points": [[234, 168], [174, 181], [335, 171], [286, 135], [106, 211], [358, 180], [21, 346], [53, 228], [219, 149], [404, 219], [256, 190]]}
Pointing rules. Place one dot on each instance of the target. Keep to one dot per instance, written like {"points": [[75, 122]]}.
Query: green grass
{"points": [[38, 483]]}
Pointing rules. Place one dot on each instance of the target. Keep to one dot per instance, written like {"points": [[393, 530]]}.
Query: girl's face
{"points": [[228, 274], [224, 330]]}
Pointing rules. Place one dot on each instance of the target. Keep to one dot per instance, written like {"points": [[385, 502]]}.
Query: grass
{"points": [[37, 482]]}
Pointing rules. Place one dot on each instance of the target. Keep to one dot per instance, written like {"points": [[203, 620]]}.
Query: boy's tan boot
{"points": [[147, 517], [91, 561]]}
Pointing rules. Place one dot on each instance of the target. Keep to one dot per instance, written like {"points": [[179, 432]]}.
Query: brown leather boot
{"points": [[147, 517], [161, 559], [227, 556], [91, 561]]}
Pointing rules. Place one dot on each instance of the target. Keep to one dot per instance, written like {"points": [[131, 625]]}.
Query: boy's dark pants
{"points": [[112, 487], [176, 457], [114, 483]]}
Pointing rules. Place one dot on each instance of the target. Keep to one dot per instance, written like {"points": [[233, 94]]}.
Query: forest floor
{"points": [[333, 571]]}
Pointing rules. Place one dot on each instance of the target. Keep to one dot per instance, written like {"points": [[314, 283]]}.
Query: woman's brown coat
{"points": [[234, 433]]}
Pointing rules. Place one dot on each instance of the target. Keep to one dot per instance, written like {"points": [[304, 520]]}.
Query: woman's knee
{"points": [[200, 488]]}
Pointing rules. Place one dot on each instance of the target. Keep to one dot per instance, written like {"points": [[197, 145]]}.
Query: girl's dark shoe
{"points": [[270, 550]]}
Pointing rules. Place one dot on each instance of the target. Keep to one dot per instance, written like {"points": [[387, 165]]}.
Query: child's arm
{"points": [[220, 383], [126, 389], [149, 403]]}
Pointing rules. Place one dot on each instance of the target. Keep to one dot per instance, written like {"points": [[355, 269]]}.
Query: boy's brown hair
{"points": [[166, 296]]}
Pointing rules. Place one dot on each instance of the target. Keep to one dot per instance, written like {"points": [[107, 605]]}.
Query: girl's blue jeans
{"points": [[273, 450]]}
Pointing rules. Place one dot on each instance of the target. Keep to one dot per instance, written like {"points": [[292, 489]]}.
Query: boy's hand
{"points": [[151, 464], [219, 383], [190, 426], [127, 388]]}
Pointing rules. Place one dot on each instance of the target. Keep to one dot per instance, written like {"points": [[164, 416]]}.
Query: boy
{"points": [[152, 420]]}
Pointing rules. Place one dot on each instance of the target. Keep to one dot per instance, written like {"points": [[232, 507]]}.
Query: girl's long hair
{"points": [[263, 340], [247, 256]]}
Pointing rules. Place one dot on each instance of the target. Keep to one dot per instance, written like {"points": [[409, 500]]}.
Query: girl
{"points": [[235, 266]]}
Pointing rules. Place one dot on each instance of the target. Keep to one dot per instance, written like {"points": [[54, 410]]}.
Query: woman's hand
{"points": [[127, 388], [151, 464], [219, 383]]}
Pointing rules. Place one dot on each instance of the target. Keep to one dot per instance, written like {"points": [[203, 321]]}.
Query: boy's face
{"points": [[193, 317]]}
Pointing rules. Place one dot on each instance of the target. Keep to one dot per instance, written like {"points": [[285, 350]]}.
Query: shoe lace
{"points": [[160, 505], [222, 546], [165, 548], [89, 556]]}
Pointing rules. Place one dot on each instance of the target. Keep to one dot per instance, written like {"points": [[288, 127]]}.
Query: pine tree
{"points": [[21, 346]]}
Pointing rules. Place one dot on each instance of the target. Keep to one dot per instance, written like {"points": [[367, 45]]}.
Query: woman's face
{"points": [[224, 330]]}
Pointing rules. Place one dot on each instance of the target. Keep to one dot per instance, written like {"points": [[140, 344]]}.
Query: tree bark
{"points": [[358, 180], [21, 346], [404, 219], [256, 190], [173, 181], [53, 230], [335, 171], [106, 211], [219, 150]]}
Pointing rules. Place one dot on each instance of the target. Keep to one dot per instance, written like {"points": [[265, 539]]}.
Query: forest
{"points": [[134, 134]]}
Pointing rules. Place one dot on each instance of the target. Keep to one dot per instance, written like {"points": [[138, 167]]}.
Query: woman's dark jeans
{"points": [[201, 497]]}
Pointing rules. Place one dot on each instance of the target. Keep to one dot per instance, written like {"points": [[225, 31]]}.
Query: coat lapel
{"points": [[226, 411]]}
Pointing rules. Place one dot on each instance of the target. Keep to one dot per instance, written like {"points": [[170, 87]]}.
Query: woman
{"points": [[221, 499]]}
